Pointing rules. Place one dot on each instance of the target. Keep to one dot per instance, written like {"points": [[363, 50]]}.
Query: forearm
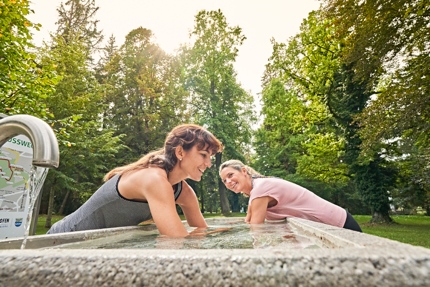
{"points": [[248, 214], [190, 207], [257, 210], [194, 218]]}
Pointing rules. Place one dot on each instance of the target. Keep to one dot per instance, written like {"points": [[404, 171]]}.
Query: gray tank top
{"points": [[106, 208]]}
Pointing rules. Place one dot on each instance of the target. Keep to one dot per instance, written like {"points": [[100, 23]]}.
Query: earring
{"points": [[180, 159]]}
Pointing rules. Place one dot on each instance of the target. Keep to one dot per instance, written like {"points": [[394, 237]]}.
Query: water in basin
{"points": [[238, 235]]}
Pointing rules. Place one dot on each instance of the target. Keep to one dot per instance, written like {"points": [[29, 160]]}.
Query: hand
{"points": [[202, 231]]}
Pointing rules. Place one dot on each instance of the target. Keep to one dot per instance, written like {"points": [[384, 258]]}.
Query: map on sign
{"points": [[16, 158]]}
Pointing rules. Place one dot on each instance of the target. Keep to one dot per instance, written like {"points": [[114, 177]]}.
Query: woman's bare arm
{"points": [[190, 206], [163, 209], [248, 214], [153, 186], [258, 209]]}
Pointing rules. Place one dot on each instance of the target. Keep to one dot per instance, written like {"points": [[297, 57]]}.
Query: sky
{"points": [[172, 20]]}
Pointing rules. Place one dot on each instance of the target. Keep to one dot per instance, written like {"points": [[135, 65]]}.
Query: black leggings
{"points": [[350, 223]]}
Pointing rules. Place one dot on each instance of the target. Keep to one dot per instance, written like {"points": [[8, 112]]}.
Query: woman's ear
{"points": [[244, 171], [179, 152]]}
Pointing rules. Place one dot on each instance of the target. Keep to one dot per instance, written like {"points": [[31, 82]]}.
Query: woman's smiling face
{"points": [[195, 162], [235, 180]]}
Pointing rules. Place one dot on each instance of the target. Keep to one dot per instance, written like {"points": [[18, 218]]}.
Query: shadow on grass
{"points": [[411, 229]]}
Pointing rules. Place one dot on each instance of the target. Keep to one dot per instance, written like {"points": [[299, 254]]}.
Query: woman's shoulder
{"points": [[136, 184], [146, 175], [269, 180], [185, 186]]}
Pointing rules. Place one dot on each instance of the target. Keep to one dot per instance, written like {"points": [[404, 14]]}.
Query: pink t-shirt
{"points": [[296, 201]]}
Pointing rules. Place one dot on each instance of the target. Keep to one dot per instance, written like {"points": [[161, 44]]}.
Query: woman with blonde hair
{"points": [[151, 187], [275, 198]]}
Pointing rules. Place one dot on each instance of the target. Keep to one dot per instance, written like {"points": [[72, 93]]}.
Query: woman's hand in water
{"points": [[200, 231]]}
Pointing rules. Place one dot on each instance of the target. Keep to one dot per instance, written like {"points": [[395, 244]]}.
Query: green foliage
{"points": [[207, 191], [412, 188], [143, 92], [345, 101], [321, 160], [279, 141], [217, 101], [300, 128], [373, 181], [76, 105], [373, 178], [23, 81], [319, 105], [77, 17], [377, 32], [387, 45], [401, 108]]}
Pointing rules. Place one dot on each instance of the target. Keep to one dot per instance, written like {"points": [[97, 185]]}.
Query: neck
{"points": [[250, 185], [175, 176]]}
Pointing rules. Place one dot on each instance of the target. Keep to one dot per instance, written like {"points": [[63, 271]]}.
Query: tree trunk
{"points": [[235, 203], [202, 202], [48, 222], [225, 206], [63, 204], [378, 217]]}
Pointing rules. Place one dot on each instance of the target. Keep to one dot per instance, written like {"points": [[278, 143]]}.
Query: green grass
{"points": [[411, 229], [40, 228]]}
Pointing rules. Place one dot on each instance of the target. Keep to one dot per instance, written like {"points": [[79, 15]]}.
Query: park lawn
{"points": [[41, 220], [411, 229]]}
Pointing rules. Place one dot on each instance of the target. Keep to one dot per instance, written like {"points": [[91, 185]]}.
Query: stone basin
{"points": [[320, 255]]}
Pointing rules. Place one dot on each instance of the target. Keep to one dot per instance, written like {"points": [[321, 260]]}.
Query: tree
{"points": [[374, 177], [77, 18], [387, 45], [76, 106], [143, 92], [311, 67], [217, 101], [412, 188], [24, 81], [388, 42], [278, 140], [298, 111]]}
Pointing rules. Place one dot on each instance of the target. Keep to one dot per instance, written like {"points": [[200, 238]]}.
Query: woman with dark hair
{"points": [[151, 187], [275, 198]]}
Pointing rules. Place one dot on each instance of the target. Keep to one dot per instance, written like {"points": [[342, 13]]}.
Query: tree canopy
{"points": [[24, 81], [216, 100], [345, 101]]}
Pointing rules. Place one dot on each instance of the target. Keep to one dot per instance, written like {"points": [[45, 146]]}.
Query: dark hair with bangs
{"points": [[187, 136]]}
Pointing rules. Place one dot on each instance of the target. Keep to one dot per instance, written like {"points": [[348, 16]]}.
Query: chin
{"points": [[198, 178]]}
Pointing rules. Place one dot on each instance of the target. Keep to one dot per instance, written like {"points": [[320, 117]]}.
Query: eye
{"points": [[228, 176]]}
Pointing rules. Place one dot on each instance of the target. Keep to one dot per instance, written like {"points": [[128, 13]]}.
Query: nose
{"points": [[209, 163]]}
